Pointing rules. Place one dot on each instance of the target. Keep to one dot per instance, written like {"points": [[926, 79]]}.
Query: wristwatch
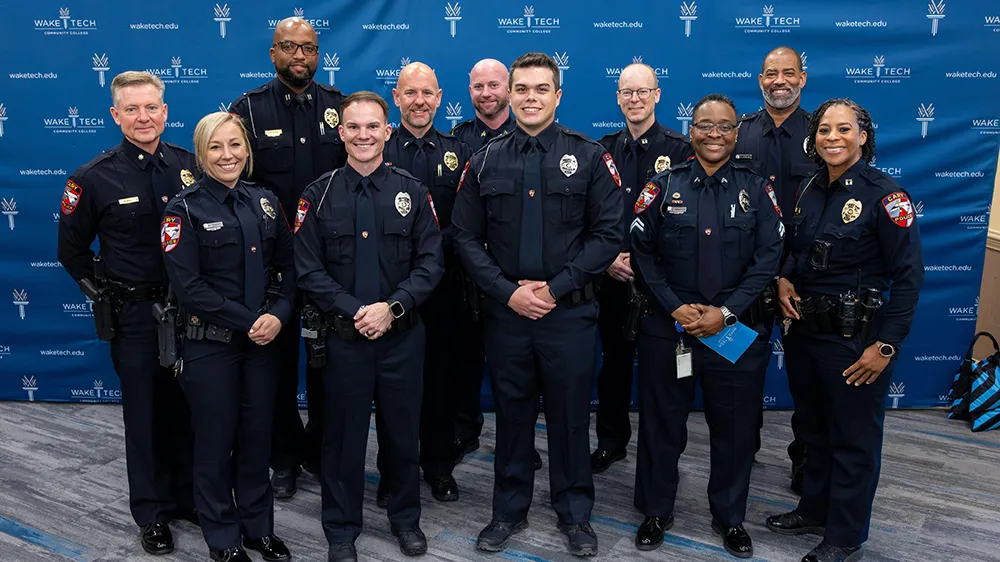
{"points": [[728, 317], [885, 349], [396, 308]]}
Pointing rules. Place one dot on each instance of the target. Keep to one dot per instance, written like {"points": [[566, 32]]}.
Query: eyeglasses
{"points": [[642, 92], [290, 47], [723, 128]]}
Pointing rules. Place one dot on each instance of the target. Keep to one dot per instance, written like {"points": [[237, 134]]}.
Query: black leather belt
{"points": [[579, 296], [134, 293], [198, 329], [345, 330]]}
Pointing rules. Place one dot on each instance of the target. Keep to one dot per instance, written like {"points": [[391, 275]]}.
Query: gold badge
{"points": [[268, 209], [273, 133], [744, 200], [451, 160], [531, 193], [851, 211], [662, 164], [364, 234], [331, 117], [187, 178]]}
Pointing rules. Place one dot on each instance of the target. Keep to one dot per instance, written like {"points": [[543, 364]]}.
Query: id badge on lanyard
{"points": [[683, 354]]}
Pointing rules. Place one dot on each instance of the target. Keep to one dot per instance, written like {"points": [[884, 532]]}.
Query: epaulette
{"points": [[458, 126], [881, 179], [401, 172], [748, 116], [330, 88], [258, 90], [177, 147], [610, 138], [447, 135], [188, 190], [670, 133], [681, 166], [82, 170], [579, 135]]}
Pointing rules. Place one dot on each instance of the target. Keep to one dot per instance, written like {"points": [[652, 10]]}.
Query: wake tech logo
{"points": [[222, 16], [20, 300], [320, 25], [9, 209], [29, 385], [529, 23], [177, 73], [661, 72], [100, 67], [878, 73], [925, 114], [452, 15], [688, 15], [964, 313], [935, 13], [3, 117], [767, 22], [684, 114], [65, 24], [73, 123], [331, 64]]}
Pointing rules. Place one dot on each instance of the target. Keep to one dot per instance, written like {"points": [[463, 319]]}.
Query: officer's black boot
{"points": [[283, 483], [495, 536], [825, 552], [581, 539]]}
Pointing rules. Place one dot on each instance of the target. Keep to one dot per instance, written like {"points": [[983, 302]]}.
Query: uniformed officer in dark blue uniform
{"points": [[368, 253], [119, 197], [772, 143], [851, 285], [227, 252], [641, 150], [720, 217], [292, 122], [537, 221], [490, 95], [437, 160]]}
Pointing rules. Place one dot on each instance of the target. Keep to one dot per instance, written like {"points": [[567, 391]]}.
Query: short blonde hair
{"points": [[206, 128], [135, 78]]}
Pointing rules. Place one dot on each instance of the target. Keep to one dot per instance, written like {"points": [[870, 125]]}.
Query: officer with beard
{"points": [[292, 122]]}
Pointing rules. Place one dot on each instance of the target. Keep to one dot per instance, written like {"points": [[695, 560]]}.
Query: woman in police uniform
{"points": [[228, 254], [849, 292]]}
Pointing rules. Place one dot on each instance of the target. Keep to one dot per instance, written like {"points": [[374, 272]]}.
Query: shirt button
{"points": [[567, 190], [494, 190], [404, 231], [302, 140], [334, 232]]}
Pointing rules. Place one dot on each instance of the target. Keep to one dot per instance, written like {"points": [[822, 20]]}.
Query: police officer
{"points": [[641, 150], [772, 143], [854, 238], [292, 122], [118, 197], [537, 222], [437, 160], [720, 217], [368, 253], [227, 253]]}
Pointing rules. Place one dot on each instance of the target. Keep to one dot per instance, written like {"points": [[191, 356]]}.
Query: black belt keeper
{"points": [[578, 296]]}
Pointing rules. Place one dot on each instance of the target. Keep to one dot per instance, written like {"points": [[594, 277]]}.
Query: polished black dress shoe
{"points": [[156, 538], [650, 533], [538, 460], [382, 494], [235, 554], [283, 483], [828, 553], [792, 523], [494, 537], [463, 448], [736, 540], [412, 542], [602, 459], [342, 552], [581, 538], [189, 514], [798, 475], [443, 488], [271, 548]]}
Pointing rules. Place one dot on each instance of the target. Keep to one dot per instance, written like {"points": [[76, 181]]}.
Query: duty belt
{"points": [[198, 329], [345, 330], [578, 296], [847, 314], [135, 293]]}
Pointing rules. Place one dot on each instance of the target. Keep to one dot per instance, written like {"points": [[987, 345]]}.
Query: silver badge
{"points": [[568, 165], [403, 203], [744, 200], [268, 209]]}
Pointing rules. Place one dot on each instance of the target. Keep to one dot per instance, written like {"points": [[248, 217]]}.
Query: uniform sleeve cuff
{"points": [[404, 299]]}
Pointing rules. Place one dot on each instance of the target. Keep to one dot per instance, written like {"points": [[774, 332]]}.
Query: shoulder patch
{"points": [[774, 199], [170, 233], [71, 197], [461, 179], [612, 169], [300, 215], [646, 197], [899, 208]]}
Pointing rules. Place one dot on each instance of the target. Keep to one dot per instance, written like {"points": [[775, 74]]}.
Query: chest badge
{"points": [[568, 165], [187, 178], [662, 164], [851, 211], [331, 117], [744, 201], [268, 209], [403, 203], [451, 160]]}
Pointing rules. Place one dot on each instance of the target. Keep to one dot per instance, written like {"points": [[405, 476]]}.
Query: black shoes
{"points": [[650, 533], [283, 483], [443, 488], [411, 543], [271, 548], [382, 494], [798, 475], [538, 460], [736, 540], [581, 538], [602, 459], [156, 538], [342, 552], [235, 554], [828, 553], [792, 523], [495, 536], [463, 448]]}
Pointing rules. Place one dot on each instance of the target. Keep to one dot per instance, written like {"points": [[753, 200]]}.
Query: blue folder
{"points": [[732, 341]]}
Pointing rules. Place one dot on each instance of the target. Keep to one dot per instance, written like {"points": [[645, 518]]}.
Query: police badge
{"points": [[744, 201], [268, 209], [187, 178], [568, 165], [331, 117], [662, 164], [403, 203], [851, 211], [451, 160]]}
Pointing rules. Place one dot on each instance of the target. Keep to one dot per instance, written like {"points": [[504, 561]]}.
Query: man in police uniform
{"points": [[772, 143], [118, 197], [720, 217], [437, 160], [641, 150], [292, 121], [537, 221], [368, 253]]}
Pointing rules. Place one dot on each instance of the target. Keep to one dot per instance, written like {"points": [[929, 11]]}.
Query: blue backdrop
{"points": [[927, 73]]}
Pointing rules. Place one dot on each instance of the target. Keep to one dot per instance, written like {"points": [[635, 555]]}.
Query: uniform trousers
{"points": [[614, 382]]}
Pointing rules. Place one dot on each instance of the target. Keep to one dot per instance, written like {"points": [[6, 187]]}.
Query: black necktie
{"points": [[300, 101], [530, 253], [253, 254], [366, 273], [709, 241], [419, 166], [162, 188]]}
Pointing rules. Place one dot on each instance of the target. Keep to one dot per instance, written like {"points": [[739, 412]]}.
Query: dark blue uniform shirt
{"points": [[871, 222], [292, 144], [204, 248], [582, 215], [410, 257], [665, 239], [111, 198], [776, 153], [476, 134], [638, 160]]}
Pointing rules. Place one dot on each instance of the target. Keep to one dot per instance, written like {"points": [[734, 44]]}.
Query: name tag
{"points": [[212, 226], [744, 156], [128, 200], [273, 133]]}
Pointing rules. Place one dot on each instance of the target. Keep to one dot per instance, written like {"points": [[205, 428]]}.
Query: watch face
{"points": [[887, 350]]}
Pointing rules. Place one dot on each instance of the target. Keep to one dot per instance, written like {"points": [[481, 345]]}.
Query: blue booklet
{"points": [[732, 341]]}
